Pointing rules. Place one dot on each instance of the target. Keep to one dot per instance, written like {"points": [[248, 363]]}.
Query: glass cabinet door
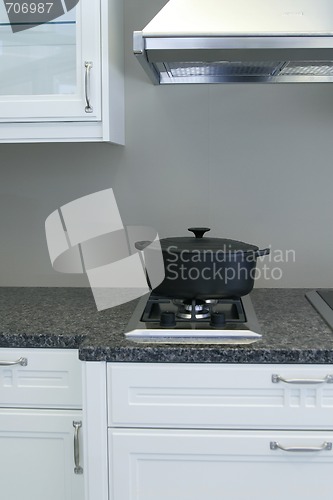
{"points": [[51, 71]]}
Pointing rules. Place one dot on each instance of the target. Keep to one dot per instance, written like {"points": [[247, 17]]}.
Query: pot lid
{"points": [[199, 242]]}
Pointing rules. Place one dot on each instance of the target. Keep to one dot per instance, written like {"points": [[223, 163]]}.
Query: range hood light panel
{"points": [[222, 41]]}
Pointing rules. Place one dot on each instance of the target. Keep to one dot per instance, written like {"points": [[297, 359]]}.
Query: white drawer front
{"points": [[220, 396], [167, 464], [46, 378]]}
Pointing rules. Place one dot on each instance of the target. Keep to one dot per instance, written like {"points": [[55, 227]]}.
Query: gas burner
{"points": [[211, 301], [164, 319], [193, 309]]}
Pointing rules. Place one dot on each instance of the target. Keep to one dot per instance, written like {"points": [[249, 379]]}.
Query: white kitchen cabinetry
{"points": [[40, 424], [213, 431], [62, 81]]}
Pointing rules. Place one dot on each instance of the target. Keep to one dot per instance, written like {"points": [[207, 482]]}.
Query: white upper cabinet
{"points": [[62, 80]]}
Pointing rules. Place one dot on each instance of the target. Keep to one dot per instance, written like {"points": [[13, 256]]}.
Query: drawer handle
{"points": [[88, 66], [274, 445], [77, 469], [20, 361], [326, 380]]}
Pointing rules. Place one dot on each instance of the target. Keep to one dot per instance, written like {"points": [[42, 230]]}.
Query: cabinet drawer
{"points": [[220, 396], [42, 378], [170, 464]]}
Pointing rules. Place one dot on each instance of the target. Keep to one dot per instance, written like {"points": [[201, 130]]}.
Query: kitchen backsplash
{"points": [[253, 163]]}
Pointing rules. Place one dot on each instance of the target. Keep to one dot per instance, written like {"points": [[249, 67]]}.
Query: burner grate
{"points": [[231, 308]]}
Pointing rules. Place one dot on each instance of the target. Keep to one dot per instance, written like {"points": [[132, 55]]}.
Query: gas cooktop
{"points": [[224, 321]]}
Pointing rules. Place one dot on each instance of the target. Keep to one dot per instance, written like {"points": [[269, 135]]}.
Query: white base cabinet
{"points": [[41, 453], [215, 465], [209, 431]]}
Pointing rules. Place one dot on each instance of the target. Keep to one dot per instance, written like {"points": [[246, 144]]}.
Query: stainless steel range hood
{"points": [[221, 41]]}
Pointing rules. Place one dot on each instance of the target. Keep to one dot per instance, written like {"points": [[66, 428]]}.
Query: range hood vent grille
{"points": [[221, 69], [238, 71], [310, 68]]}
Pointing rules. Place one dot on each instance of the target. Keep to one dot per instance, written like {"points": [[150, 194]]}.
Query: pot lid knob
{"points": [[199, 231]]}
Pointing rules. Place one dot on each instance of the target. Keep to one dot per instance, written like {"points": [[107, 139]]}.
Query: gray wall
{"points": [[252, 162]]}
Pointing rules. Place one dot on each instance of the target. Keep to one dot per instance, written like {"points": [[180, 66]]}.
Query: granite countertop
{"points": [[292, 331]]}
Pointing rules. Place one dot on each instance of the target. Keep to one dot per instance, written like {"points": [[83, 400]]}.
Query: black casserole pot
{"points": [[203, 268]]}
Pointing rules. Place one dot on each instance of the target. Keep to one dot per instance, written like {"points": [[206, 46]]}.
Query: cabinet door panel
{"points": [[215, 465], [42, 72], [36, 455]]}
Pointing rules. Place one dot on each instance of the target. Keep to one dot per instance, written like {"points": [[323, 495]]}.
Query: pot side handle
{"points": [[141, 245], [261, 253]]}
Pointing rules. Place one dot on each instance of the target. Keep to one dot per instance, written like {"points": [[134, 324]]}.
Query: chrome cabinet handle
{"points": [[20, 361], [274, 445], [326, 380], [88, 65], [77, 469]]}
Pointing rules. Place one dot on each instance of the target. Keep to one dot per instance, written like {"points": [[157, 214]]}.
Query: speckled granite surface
{"points": [[292, 331]]}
